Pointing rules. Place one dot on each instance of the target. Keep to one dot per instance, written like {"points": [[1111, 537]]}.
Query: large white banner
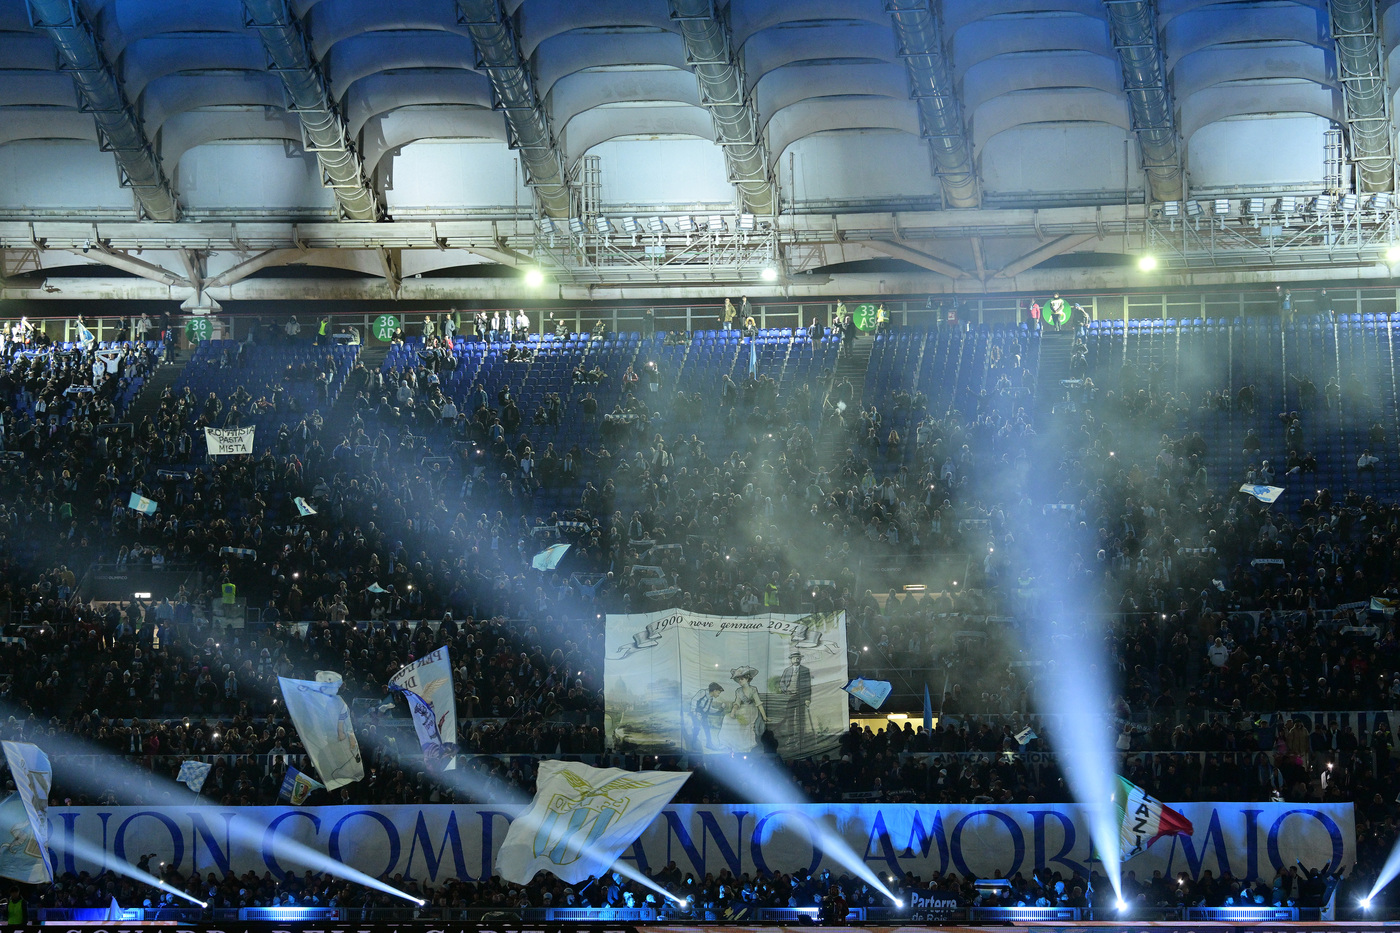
{"points": [[224, 442], [431, 678], [678, 680], [322, 721], [436, 843]]}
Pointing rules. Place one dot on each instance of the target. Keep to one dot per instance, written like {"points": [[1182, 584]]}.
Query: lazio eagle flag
{"points": [[582, 819], [1143, 819]]}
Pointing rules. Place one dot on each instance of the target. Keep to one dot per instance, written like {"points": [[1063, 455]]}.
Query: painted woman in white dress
{"points": [[744, 724]]}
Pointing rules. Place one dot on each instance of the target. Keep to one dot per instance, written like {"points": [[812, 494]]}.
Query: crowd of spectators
{"points": [[426, 527]]}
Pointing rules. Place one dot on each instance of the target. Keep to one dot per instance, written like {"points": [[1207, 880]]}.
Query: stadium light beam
{"points": [[1077, 688], [1388, 871], [97, 856], [743, 775], [283, 848]]}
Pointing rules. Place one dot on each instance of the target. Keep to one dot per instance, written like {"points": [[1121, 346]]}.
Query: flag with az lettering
{"points": [[1143, 819]]}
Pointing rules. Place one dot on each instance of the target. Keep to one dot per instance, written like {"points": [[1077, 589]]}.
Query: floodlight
{"points": [[1350, 202], [1171, 208], [1147, 263], [1256, 206], [1193, 208], [746, 222], [577, 225], [1322, 203], [685, 224], [546, 225], [534, 277], [1221, 207], [630, 225], [602, 225], [769, 274], [1392, 254], [716, 223], [1380, 201], [657, 224], [1287, 205]]}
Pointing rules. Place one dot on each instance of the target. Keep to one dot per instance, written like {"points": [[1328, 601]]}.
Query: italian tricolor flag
{"points": [[1143, 819]]}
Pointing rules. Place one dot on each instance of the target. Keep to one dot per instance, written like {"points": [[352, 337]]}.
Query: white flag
{"points": [[431, 678], [225, 442], [1025, 735], [29, 766], [581, 820], [114, 912], [550, 557], [323, 721], [1262, 493], [193, 774], [303, 507]]}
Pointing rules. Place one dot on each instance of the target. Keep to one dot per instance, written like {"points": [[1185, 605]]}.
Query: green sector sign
{"points": [[864, 316], [384, 327], [199, 329]]}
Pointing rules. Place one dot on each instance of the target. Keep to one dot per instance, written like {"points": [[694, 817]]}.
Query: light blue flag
{"points": [[303, 507], [85, 336], [753, 357], [193, 774], [1025, 735], [928, 710], [139, 503], [114, 912], [20, 858], [874, 692], [550, 557]]}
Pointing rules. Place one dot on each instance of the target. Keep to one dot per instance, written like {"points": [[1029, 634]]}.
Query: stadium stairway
{"points": [[851, 364], [166, 375], [1054, 367], [342, 410]]}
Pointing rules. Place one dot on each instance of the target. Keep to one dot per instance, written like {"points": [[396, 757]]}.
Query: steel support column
{"points": [[322, 125], [1133, 24], [498, 54], [941, 124], [119, 127], [1361, 68], [708, 50]]}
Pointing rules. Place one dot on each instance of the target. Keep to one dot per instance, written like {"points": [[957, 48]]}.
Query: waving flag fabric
{"points": [[322, 721], [1262, 493], [33, 777], [296, 787], [1143, 819], [582, 819], [874, 692], [193, 774]]}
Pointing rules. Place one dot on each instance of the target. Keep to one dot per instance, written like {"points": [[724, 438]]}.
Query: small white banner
{"points": [[226, 442]]}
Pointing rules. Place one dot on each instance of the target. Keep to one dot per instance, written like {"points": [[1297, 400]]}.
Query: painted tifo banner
{"points": [[33, 777], [680, 681], [225, 442], [430, 677], [435, 843], [582, 819], [322, 720]]}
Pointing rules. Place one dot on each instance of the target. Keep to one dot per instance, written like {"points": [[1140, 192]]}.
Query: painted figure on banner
{"points": [[747, 718], [707, 710], [796, 689]]}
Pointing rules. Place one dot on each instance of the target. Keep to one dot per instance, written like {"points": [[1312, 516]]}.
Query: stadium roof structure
{"points": [[411, 148]]}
